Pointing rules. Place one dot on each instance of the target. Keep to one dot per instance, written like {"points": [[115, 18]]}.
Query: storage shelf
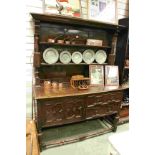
{"points": [[73, 45], [59, 63]]}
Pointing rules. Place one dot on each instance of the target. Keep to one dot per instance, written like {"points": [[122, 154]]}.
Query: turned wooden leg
{"points": [[115, 122], [39, 139]]}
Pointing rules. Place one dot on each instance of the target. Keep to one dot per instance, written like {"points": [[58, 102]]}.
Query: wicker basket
{"points": [[80, 82]]}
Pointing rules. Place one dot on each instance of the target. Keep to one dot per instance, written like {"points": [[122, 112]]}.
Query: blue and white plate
{"points": [[100, 56], [88, 56], [77, 57], [65, 57], [50, 55]]}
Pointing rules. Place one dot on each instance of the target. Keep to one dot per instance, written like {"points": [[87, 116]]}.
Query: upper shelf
{"points": [[75, 21], [73, 45]]}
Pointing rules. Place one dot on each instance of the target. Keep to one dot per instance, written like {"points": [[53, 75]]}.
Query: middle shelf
{"points": [[59, 63]]}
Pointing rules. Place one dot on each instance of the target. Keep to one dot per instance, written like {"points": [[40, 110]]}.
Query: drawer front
{"points": [[73, 109], [52, 112], [116, 96], [101, 110], [96, 111], [101, 99], [93, 100], [62, 111], [103, 104]]}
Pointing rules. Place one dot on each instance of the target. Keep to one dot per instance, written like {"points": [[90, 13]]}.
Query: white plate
{"points": [[65, 57], [77, 57], [100, 56], [50, 55], [88, 56]]}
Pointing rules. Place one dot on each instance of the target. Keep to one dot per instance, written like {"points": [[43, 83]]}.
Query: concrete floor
{"points": [[94, 146]]}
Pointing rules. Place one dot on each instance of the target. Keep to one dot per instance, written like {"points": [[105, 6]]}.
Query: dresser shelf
{"points": [[73, 45], [59, 63]]}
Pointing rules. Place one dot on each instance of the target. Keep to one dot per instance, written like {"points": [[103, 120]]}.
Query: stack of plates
{"points": [[88, 56], [65, 57], [77, 57], [50, 55], [100, 56]]}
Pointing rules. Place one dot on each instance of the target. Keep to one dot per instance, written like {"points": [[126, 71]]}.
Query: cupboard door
{"points": [[62, 111], [74, 109], [53, 113]]}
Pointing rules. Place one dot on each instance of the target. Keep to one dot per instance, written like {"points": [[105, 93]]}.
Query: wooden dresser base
{"points": [[54, 111]]}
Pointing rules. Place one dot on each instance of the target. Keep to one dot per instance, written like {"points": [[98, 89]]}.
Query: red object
{"points": [[76, 14], [63, 1]]}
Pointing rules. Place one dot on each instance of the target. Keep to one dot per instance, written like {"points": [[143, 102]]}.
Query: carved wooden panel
{"points": [[93, 100], [116, 96], [53, 112], [96, 111], [74, 109], [69, 109], [62, 111], [103, 104]]}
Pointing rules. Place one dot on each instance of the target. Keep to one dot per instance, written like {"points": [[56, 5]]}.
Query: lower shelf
{"points": [[75, 132]]}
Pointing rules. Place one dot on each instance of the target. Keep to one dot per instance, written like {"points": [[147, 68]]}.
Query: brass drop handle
{"points": [[70, 117]]}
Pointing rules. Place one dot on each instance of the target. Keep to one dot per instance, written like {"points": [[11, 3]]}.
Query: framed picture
{"points": [[70, 7], [96, 74], [111, 75], [103, 10]]}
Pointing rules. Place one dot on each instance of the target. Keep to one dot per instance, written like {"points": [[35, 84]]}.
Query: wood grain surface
{"points": [[32, 147]]}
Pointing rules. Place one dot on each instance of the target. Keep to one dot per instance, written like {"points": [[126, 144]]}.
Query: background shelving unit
{"points": [[121, 57]]}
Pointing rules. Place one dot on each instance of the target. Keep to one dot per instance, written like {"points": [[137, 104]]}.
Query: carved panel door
{"points": [[74, 109], [53, 112]]}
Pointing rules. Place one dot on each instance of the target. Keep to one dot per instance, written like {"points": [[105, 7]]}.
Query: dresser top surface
{"points": [[40, 93]]}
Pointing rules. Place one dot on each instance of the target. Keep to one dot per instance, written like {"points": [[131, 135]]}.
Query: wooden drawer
{"points": [[100, 99], [52, 112], [101, 110], [73, 109], [62, 111], [116, 96], [96, 111], [93, 100]]}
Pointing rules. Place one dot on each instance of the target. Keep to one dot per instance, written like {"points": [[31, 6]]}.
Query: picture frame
{"points": [[111, 75], [70, 7], [103, 10], [96, 75]]}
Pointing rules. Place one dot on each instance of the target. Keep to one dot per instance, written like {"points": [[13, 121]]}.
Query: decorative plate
{"points": [[100, 56], [50, 55], [88, 56], [65, 57], [77, 57]]}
